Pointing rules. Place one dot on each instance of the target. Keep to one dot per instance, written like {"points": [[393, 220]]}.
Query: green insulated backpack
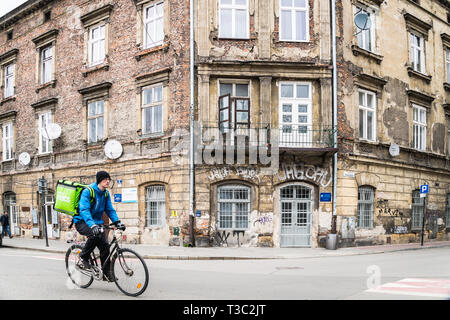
{"points": [[67, 196]]}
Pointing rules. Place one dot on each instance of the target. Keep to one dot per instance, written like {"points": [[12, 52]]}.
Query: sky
{"points": [[8, 5]]}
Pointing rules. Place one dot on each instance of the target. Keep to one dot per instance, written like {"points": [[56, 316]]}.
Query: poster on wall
{"points": [[129, 195]]}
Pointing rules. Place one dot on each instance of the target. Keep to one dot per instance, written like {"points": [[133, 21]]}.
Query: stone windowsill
{"points": [[150, 136], [88, 70], [419, 75], [51, 83], [143, 52], [373, 56], [10, 98]]}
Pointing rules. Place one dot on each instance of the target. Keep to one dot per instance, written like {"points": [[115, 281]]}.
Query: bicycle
{"points": [[128, 269]]}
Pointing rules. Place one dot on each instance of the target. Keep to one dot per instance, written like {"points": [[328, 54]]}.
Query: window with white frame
{"points": [[7, 141], [367, 115], [419, 127], [294, 20], [44, 141], [152, 109], [9, 80], [96, 121], [366, 36], [417, 53], [233, 207], [153, 29], [365, 206], [155, 205], [447, 64], [96, 49], [46, 64], [233, 19]]}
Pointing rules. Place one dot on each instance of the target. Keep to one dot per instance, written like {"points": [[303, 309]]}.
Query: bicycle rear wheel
{"points": [[130, 272], [78, 278]]}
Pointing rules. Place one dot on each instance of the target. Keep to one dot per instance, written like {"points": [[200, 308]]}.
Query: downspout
{"points": [[334, 90], [191, 125]]}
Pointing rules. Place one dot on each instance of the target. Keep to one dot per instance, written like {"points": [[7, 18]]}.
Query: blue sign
{"points": [[325, 197], [198, 213], [117, 197], [424, 188]]}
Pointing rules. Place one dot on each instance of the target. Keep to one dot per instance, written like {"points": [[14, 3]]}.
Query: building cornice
{"points": [[21, 12]]}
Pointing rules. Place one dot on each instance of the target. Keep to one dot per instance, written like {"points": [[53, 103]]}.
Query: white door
{"points": [[295, 115], [15, 221], [51, 218]]}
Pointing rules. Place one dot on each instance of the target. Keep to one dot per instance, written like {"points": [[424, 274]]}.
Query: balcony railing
{"points": [[292, 136]]}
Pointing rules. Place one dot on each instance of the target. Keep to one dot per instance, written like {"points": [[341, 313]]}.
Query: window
{"points": [[233, 19], [155, 205], [447, 211], [366, 37], [46, 64], [95, 121], [365, 207], [7, 141], [9, 35], [153, 25], [47, 15], [447, 64], [417, 53], [44, 142], [419, 128], [417, 210], [96, 50], [152, 109], [367, 115], [233, 207], [295, 114], [9, 80], [294, 21], [234, 106]]}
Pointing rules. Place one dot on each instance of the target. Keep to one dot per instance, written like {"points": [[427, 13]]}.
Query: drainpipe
{"points": [[191, 125], [335, 156]]}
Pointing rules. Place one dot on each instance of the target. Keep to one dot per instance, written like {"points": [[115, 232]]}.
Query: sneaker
{"points": [[108, 277], [83, 264]]}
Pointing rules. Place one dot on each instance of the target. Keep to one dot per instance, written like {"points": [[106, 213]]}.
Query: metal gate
{"points": [[295, 204]]}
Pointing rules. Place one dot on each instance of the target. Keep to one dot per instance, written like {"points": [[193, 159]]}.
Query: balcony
{"points": [[301, 139]]}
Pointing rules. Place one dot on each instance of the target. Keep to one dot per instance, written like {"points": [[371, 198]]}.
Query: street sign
{"points": [[325, 197], [117, 197], [424, 188]]}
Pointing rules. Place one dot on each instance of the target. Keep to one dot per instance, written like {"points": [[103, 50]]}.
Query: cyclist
{"points": [[88, 222]]}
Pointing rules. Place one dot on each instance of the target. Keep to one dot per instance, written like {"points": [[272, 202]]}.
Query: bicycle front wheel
{"points": [[130, 272], [78, 278]]}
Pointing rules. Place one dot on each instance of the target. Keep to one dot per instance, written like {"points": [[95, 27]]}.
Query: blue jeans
{"points": [[6, 229]]}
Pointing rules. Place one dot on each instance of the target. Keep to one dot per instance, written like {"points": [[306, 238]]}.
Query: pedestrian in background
{"points": [[4, 220]]}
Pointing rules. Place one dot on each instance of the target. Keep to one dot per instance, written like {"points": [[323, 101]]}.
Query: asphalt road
{"points": [[30, 275]]}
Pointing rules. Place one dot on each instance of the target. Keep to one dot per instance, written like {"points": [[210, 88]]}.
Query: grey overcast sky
{"points": [[8, 5]]}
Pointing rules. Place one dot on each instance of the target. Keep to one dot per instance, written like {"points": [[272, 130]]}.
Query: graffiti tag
{"points": [[306, 172]]}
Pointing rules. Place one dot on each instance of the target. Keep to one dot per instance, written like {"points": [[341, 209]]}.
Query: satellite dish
{"points": [[394, 150], [52, 131], [362, 21], [113, 149], [24, 158]]}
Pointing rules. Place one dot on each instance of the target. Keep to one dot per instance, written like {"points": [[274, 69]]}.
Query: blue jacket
{"points": [[101, 204]]}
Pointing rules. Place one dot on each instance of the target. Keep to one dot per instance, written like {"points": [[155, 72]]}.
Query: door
{"points": [[13, 212], [51, 217], [295, 116], [295, 204]]}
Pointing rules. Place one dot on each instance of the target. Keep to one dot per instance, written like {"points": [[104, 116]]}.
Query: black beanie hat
{"points": [[101, 175]]}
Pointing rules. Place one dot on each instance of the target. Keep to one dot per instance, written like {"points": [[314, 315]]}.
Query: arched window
{"points": [[365, 206], [155, 205], [233, 207]]}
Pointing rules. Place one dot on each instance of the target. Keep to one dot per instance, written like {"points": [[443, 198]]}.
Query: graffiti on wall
{"points": [[305, 172], [264, 219], [222, 173], [384, 209]]}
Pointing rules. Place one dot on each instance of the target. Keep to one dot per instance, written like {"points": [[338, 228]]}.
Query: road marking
{"points": [[53, 257], [439, 288]]}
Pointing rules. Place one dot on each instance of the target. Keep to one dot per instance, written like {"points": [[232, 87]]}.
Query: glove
{"points": [[119, 225], [95, 230]]}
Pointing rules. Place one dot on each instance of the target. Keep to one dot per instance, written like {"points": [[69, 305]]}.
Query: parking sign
{"points": [[424, 188]]}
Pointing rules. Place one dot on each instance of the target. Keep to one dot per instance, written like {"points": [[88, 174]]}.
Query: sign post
{"points": [[42, 188], [424, 189]]}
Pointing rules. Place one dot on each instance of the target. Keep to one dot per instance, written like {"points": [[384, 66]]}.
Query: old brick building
{"points": [[393, 120], [102, 70]]}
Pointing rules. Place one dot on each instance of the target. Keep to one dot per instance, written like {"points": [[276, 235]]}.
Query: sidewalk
{"points": [[221, 253]]}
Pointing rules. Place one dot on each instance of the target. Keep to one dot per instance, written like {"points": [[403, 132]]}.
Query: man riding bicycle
{"points": [[89, 221]]}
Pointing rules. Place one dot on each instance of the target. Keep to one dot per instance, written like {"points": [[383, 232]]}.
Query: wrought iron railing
{"points": [[301, 136]]}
